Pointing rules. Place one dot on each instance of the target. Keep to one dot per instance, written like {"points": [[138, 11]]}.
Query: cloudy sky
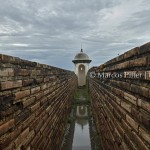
{"points": [[51, 31]]}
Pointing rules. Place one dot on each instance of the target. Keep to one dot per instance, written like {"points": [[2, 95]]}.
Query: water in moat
{"points": [[78, 134], [81, 139]]}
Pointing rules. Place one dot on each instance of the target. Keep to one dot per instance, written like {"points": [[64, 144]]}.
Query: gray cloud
{"points": [[51, 31]]}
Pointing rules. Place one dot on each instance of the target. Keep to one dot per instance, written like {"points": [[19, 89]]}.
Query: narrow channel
{"points": [[77, 135], [81, 139]]}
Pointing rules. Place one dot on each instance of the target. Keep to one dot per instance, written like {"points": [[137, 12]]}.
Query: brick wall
{"points": [[121, 105], [34, 103]]}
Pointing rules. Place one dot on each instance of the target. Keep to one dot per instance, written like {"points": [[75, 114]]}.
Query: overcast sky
{"points": [[51, 31]]}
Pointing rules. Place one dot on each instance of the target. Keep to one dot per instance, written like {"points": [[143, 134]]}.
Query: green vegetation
{"points": [[82, 92], [81, 96]]}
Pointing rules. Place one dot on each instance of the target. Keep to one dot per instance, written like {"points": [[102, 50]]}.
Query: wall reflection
{"points": [[81, 140]]}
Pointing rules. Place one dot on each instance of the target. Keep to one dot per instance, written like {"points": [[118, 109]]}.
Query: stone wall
{"points": [[34, 103], [121, 104]]}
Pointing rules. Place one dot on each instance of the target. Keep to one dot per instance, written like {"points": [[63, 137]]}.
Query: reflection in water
{"points": [[81, 139]]}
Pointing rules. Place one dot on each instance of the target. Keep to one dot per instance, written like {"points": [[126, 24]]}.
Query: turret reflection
{"points": [[81, 116]]}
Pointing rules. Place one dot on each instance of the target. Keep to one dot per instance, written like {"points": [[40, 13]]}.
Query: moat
{"points": [[79, 130]]}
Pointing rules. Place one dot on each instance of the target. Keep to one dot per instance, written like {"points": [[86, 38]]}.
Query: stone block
{"points": [[6, 59], [35, 106], [46, 79], [11, 84], [129, 142], [27, 121], [131, 53], [39, 95], [44, 86], [39, 80], [144, 104], [144, 118], [21, 137], [139, 62], [7, 126], [144, 48], [144, 134], [126, 106], [132, 122], [139, 141], [28, 82], [35, 90], [28, 102], [22, 72], [22, 94], [123, 65], [135, 112], [140, 90], [6, 72], [130, 98]]}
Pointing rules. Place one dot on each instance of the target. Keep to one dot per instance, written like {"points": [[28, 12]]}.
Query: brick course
{"points": [[121, 106], [31, 97]]}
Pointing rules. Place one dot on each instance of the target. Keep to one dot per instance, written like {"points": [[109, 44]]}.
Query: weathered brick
{"points": [[131, 53], [28, 139], [144, 48], [126, 106], [22, 72], [134, 112], [139, 62], [129, 142], [7, 126], [6, 72], [46, 79], [117, 91], [28, 101], [43, 100], [144, 104], [22, 94], [133, 98], [28, 82], [35, 106], [144, 119], [27, 122], [27, 104], [7, 112], [47, 91], [35, 72], [10, 146], [11, 84], [39, 126], [39, 95], [124, 146], [39, 80], [145, 135], [7, 59], [132, 122], [34, 140], [35, 90], [122, 65], [140, 90], [130, 98], [16, 132], [139, 142], [22, 116], [21, 137], [147, 75], [43, 87], [6, 141]]}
